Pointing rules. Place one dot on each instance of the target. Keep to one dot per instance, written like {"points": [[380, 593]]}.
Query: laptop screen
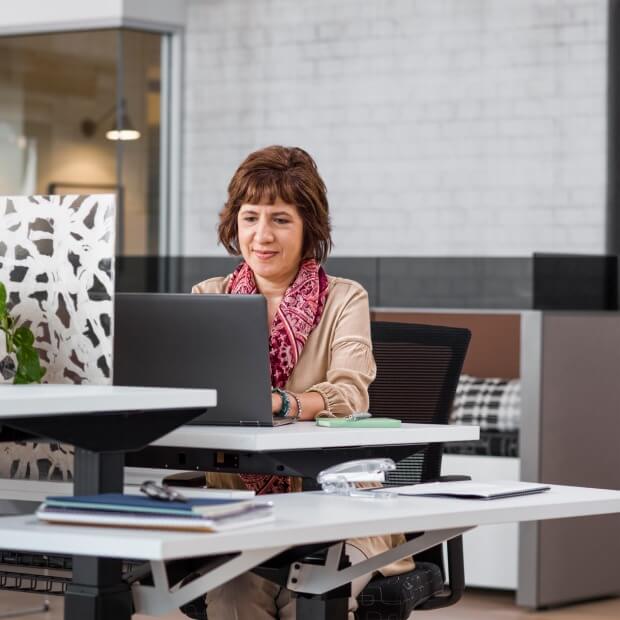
{"points": [[197, 341]]}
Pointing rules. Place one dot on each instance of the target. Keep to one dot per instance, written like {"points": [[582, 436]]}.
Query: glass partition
{"points": [[80, 113]]}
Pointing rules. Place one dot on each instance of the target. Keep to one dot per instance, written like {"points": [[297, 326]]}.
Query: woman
{"points": [[277, 218]]}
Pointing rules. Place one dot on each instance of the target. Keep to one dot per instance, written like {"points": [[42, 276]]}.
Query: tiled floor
{"points": [[476, 605]]}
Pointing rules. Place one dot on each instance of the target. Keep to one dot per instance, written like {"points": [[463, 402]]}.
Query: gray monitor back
{"points": [[197, 341]]}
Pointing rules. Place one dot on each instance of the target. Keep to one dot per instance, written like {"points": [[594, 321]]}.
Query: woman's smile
{"points": [[264, 254]]}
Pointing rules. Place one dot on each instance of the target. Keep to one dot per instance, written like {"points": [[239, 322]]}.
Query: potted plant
{"points": [[21, 360]]}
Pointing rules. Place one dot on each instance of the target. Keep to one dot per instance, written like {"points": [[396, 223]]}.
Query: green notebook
{"points": [[362, 423]]}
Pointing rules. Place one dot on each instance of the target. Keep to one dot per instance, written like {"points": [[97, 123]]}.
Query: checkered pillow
{"points": [[490, 403]]}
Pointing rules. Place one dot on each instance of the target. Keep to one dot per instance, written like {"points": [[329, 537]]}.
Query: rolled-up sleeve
{"points": [[351, 367]]}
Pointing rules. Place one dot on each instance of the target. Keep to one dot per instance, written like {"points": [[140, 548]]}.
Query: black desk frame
{"points": [[303, 463], [97, 591]]}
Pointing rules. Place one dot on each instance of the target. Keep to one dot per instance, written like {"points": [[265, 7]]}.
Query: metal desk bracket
{"points": [[159, 599], [319, 579], [306, 463]]}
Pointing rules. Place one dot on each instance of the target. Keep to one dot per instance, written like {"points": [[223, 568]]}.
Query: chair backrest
{"points": [[418, 368]]}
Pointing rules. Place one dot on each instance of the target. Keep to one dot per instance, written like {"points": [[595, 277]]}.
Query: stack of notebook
{"points": [[116, 509]]}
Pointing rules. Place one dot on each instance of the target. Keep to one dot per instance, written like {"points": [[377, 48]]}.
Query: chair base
{"points": [[394, 598]]}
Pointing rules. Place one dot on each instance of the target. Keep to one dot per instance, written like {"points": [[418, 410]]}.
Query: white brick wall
{"points": [[441, 127]]}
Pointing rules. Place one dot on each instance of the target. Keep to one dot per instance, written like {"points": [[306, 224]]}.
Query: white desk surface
{"points": [[307, 435], [306, 518], [68, 399]]}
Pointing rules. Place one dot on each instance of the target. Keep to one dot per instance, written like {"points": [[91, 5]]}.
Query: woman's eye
{"points": [[249, 218], [281, 220]]}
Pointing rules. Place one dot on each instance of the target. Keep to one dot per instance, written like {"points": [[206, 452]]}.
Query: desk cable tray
{"points": [[39, 573], [36, 573]]}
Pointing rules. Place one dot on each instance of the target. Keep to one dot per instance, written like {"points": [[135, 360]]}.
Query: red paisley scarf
{"points": [[299, 313]]}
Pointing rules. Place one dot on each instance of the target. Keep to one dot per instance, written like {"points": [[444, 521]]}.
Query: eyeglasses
{"points": [[161, 491]]}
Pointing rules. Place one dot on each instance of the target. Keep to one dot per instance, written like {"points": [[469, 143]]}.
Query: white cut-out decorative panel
{"points": [[57, 264]]}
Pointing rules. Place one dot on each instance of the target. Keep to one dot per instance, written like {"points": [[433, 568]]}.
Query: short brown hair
{"points": [[290, 174]]}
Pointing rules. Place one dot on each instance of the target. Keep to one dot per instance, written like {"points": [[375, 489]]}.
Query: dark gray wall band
{"points": [[540, 282]]}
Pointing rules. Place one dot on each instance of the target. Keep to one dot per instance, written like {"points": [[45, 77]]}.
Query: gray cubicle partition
{"points": [[570, 434]]}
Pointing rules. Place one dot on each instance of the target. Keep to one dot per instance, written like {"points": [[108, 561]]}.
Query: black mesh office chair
{"points": [[418, 368]]}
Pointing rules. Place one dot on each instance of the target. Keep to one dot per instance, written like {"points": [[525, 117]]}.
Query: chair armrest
{"points": [[456, 569]]}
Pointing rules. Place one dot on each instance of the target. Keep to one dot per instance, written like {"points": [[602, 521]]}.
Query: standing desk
{"points": [[102, 422], [300, 518], [302, 449]]}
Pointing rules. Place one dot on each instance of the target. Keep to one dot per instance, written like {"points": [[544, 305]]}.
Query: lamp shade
{"points": [[126, 131]]}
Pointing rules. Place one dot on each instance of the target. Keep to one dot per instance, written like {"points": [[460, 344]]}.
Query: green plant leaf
{"points": [[20, 377], [20, 341], [2, 299], [28, 366], [23, 337], [42, 371]]}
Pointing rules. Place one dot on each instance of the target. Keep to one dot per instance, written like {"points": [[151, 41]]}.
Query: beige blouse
{"points": [[336, 362]]}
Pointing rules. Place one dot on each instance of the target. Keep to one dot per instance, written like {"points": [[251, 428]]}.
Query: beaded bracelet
{"points": [[286, 403], [298, 401]]}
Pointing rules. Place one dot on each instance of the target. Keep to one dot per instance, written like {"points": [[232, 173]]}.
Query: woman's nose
{"points": [[263, 231]]}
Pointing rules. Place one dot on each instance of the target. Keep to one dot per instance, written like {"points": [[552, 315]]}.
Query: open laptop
{"points": [[198, 341]]}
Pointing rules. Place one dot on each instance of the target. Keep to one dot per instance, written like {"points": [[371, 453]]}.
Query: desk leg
{"points": [[332, 605], [97, 591]]}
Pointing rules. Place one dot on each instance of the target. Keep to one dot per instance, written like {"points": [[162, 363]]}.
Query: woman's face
{"points": [[271, 239]]}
